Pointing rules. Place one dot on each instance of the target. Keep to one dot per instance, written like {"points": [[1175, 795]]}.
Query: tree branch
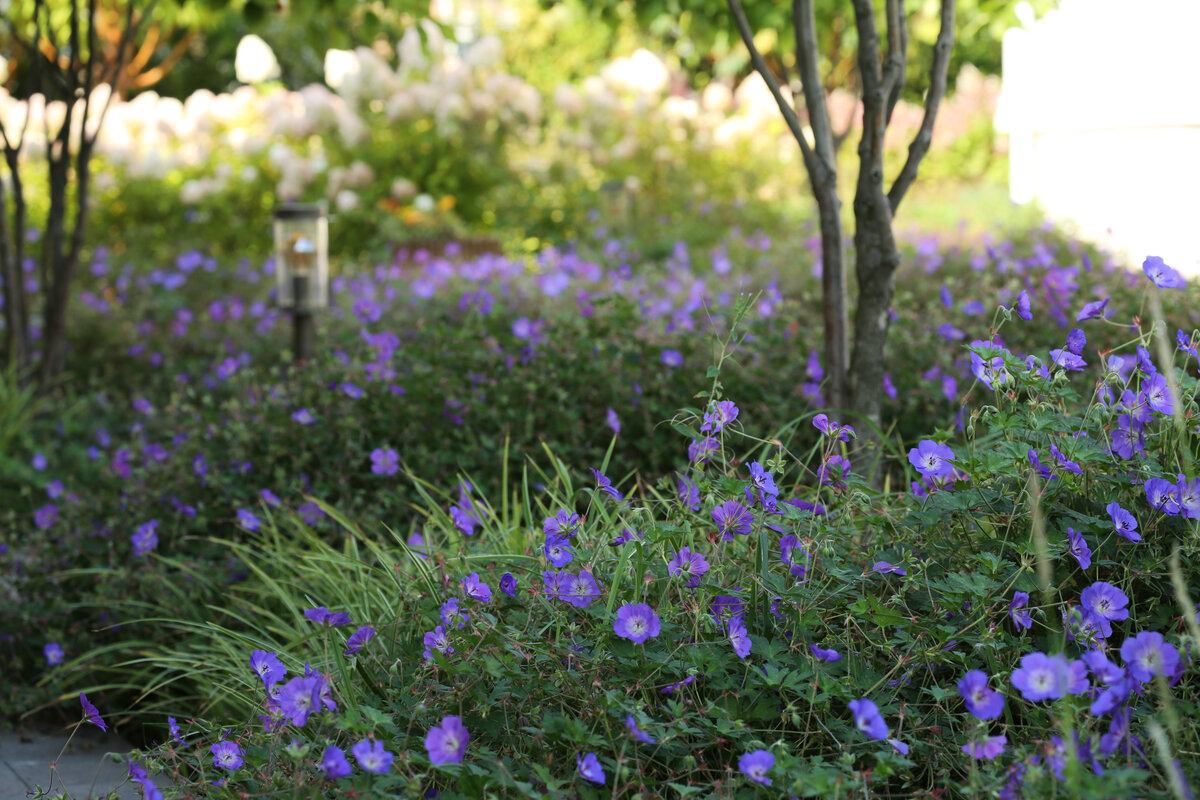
{"points": [[933, 98], [805, 27], [896, 61], [870, 148], [131, 29], [789, 114]]}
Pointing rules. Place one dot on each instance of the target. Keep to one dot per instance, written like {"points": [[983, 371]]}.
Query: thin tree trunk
{"points": [[876, 261], [55, 289], [58, 296], [12, 254], [876, 256], [833, 298]]}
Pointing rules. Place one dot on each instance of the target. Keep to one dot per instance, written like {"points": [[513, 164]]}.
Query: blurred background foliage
{"points": [[546, 41]]}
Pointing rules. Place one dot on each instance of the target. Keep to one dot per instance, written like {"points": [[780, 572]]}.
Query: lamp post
{"points": [[302, 269]]}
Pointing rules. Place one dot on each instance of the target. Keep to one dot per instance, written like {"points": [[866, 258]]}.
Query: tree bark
{"points": [[820, 162], [16, 318], [875, 249], [822, 176]]}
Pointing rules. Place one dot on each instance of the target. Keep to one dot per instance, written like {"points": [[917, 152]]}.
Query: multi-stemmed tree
{"points": [[58, 49], [856, 379]]}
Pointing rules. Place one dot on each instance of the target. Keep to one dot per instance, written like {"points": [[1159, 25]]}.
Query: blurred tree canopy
{"points": [[190, 44], [701, 35]]}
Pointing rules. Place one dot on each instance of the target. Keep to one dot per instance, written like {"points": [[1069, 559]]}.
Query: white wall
{"points": [[1101, 101]]}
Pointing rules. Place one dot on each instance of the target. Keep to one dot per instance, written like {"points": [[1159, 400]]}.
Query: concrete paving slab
{"points": [[84, 770]]}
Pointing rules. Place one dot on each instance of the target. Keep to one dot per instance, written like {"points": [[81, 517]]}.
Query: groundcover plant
{"points": [[1016, 622]]}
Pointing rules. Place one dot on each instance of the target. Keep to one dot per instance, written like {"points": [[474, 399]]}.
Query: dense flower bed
{"points": [[757, 612], [749, 623]]}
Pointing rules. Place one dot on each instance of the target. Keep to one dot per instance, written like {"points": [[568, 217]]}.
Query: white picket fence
{"points": [[1101, 102]]}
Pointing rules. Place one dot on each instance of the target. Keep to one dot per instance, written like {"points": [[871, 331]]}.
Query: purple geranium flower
{"points": [[988, 749], [1077, 682], [868, 719], [138, 775], [1092, 310], [795, 556], [732, 517], [45, 516], [672, 358], [475, 589], [558, 550], [1064, 462], [739, 637], [1147, 655], [1076, 341], [581, 590], [992, 371], [612, 420], [1124, 522], [1158, 394], [689, 492], [1104, 604], [247, 520], [1163, 495], [447, 743], [1067, 360], [626, 535], [1105, 671], [89, 711], [323, 616], [604, 484], [932, 459], [589, 768], [677, 686], [1162, 275], [636, 732], [762, 480], [508, 584], [1114, 696], [883, 568], [700, 450], [1189, 497], [299, 698], [563, 523], [385, 461], [723, 413], [1022, 307], [176, 734], [1079, 548], [822, 654], [724, 607], [693, 565], [438, 640], [982, 701], [452, 614], [832, 429], [54, 654], [1018, 612], [372, 756], [636, 622], [1185, 343], [358, 640], [334, 763], [268, 667], [756, 765], [1042, 677], [227, 754], [146, 538], [303, 417]]}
